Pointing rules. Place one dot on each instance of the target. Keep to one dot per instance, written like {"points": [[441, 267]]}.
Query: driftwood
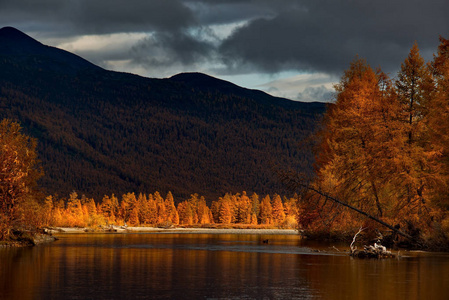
{"points": [[374, 251]]}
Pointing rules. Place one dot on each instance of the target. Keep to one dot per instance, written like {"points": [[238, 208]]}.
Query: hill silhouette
{"points": [[103, 132]]}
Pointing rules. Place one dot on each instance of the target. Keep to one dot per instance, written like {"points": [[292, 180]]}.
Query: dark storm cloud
{"points": [[96, 16], [325, 35], [121, 16], [318, 35]]}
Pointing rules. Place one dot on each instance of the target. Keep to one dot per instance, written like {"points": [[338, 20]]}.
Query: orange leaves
{"points": [[19, 170], [383, 148]]}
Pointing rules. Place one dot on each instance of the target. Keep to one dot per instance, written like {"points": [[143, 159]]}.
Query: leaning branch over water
{"points": [[296, 182]]}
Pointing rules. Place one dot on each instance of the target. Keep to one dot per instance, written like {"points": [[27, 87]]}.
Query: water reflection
{"points": [[187, 266]]}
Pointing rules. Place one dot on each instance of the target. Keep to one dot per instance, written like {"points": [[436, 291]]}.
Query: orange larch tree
{"points": [[265, 211], [278, 210], [19, 172], [438, 121]]}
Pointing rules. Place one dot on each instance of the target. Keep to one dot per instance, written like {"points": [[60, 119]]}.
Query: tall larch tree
{"points": [[19, 172], [152, 210], [126, 206], [160, 206], [144, 211], [278, 210], [170, 209], [439, 120], [185, 213], [266, 211], [255, 204], [414, 90], [203, 212], [225, 211], [108, 208], [357, 142], [74, 211]]}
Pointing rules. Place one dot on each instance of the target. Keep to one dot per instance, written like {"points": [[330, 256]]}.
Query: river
{"points": [[213, 266]]}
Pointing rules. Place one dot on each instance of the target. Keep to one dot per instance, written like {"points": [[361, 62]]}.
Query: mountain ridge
{"points": [[103, 132], [21, 47]]}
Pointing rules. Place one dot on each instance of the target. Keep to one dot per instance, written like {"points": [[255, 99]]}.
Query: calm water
{"points": [[211, 266]]}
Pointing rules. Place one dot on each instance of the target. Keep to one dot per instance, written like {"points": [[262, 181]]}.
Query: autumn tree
{"points": [[19, 172], [243, 209], [170, 209], [215, 211], [185, 213], [358, 140], [108, 208], [438, 120], [255, 204], [127, 205], [152, 215], [360, 145], [224, 210], [74, 211], [265, 211], [48, 208], [414, 90], [160, 206], [144, 209], [278, 210], [203, 212]]}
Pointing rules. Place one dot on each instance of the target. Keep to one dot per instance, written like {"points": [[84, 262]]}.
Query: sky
{"points": [[296, 49]]}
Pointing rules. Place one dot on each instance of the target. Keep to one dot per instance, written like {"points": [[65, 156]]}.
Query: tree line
{"points": [[155, 210]]}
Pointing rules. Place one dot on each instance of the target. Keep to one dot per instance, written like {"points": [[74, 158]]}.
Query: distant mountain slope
{"points": [[18, 47], [103, 132]]}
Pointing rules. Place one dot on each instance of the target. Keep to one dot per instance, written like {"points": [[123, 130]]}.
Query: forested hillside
{"points": [[101, 132]]}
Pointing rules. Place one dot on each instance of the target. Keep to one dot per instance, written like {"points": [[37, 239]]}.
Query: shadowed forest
{"points": [[101, 131]]}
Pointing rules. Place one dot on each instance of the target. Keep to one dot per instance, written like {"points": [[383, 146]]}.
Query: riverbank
{"points": [[25, 238], [130, 229]]}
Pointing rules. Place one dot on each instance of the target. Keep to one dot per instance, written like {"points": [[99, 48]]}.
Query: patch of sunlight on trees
{"points": [[154, 210]]}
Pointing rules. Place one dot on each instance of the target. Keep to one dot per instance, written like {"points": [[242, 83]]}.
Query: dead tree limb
{"points": [[352, 247]]}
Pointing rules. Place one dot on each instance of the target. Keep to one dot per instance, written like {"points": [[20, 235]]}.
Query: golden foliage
{"points": [[19, 172], [383, 148]]}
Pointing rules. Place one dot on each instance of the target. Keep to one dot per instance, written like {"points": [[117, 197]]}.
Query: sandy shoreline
{"points": [[121, 229]]}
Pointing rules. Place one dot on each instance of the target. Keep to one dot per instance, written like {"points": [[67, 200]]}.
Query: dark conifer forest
{"points": [[101, 132]]}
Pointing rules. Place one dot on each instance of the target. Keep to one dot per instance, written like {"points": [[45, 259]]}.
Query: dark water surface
{"points": [[212, 266]]}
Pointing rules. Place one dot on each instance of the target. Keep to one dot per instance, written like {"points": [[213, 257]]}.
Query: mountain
{"points": [[102, 132]]}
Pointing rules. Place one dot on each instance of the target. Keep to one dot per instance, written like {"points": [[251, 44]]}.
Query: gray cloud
{"points": [[315, 36], [165, 49], [96, 17], [311, 94], [325, 35]]}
